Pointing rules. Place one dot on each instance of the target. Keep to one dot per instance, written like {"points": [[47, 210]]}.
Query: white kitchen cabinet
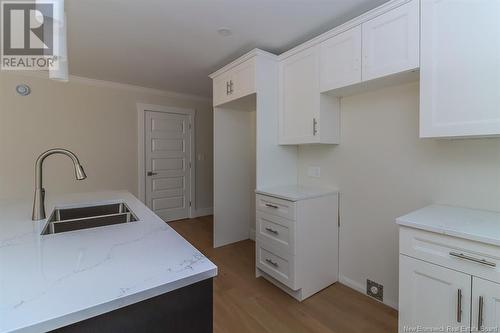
{"points": [[297, 238], [221, 89], [391, 42], [237, 82], [449, 269], [305, 115], [340, 60], [460, 68], [485, 304], [432, 296]]}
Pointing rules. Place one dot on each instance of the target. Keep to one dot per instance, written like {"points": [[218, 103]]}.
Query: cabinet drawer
{"points": [[276, 231], [276, 206], [462, 255], [280, 267]]}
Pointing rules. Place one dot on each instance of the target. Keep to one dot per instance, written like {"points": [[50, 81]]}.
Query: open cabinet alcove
{"points": [[247, 155]]}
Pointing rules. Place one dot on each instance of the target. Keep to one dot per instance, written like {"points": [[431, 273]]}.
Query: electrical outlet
{"points": [[314, 172], [375, 290]]}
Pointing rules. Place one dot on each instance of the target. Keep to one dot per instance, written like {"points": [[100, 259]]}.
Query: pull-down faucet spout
{"points": [[39, 200]]}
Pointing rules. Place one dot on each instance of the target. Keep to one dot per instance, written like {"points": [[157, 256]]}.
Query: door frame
{"points": [[141, 174]]}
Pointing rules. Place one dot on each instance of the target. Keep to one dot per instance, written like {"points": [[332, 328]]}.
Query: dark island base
{"points": [[189, 309]]}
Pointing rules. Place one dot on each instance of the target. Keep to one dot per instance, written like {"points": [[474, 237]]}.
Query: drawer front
{"points": [[276, 231], [280, 267], [276, 206], [474, 258]]}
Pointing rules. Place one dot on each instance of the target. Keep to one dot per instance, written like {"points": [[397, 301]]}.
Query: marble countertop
{"points": [[296, 192], [55, 280], [477, 225]]}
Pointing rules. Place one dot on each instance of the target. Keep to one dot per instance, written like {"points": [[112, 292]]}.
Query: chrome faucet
{"points": [[39, 200]]}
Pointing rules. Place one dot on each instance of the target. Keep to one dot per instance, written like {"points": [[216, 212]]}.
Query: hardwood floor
{"points": [[243, 303]]}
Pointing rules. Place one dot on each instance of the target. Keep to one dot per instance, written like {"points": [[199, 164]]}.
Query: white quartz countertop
{"points": [[296, 192], [477, 225], [55, 280]]}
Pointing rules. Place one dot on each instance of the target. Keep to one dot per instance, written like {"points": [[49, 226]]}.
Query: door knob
{"points": [[151, 173]]}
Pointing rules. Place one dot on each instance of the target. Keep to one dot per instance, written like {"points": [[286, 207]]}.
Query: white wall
{"points": [[384, 170], [95, 120]]}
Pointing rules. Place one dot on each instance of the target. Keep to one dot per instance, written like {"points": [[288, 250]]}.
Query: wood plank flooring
{"points": [[243, 303]]}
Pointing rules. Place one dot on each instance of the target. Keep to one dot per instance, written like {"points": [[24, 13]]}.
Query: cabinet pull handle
{"points": [[272, 231], [275, 264], [315, 127], [459, 306], [231, 86], [480, 313], [151, 173], [272, 206], [466, 257], [227, 87]]}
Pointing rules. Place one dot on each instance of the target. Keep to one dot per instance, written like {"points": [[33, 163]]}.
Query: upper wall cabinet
{"points": [[340, 60], [391, 42], [305, 116], [237, 82], [460, 68]]}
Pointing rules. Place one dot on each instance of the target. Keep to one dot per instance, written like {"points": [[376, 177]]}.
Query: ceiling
{"points": [[174, 44]]}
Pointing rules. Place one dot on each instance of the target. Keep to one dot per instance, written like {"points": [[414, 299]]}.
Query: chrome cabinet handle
{"points": [[466, 257], [151, 173], [315, 127], [275, 264], [272, 231], [272, 206], [480, 313], [459, 306]]}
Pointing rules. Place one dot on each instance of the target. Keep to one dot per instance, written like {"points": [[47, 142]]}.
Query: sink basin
{"points": [[70, 219]]}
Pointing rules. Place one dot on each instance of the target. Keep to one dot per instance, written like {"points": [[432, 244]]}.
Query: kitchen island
{"points": [[125, 277]]}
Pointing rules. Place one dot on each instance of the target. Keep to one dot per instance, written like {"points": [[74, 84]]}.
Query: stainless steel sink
{"points": [[69, 219]]}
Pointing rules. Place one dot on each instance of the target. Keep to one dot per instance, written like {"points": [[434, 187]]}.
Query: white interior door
{"points": [[168, 164]]}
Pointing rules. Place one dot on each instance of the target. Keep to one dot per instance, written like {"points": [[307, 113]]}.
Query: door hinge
{"points": [[189, 125], [189, 203], [189, 165]]}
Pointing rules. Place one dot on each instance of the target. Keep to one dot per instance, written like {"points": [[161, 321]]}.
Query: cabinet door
{"points": [[340, 63], [243, 79], [460, 68], [391, 42], [221, 89], [299, 97], [432, 296], [485, 305]]}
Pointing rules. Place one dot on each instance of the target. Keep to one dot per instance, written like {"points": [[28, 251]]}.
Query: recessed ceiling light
{"points": [[225, 32]]}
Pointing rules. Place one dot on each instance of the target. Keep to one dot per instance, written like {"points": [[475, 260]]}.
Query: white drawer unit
{"points": [[449, 270], [275, 206], [297, 239], [279, 266], [276, 231]]}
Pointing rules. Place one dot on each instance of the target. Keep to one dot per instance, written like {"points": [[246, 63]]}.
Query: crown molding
{"points": [[113, 85]]}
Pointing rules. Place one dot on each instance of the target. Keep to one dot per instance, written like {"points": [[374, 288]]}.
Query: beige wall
{"points": [[99, 123], [384, 170]]}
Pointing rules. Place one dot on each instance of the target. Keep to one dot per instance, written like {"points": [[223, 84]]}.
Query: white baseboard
{"points": [[362, 289], [203, 212]]}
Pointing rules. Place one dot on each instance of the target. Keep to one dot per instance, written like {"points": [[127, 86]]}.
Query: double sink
{"points": [[77, 218]]}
